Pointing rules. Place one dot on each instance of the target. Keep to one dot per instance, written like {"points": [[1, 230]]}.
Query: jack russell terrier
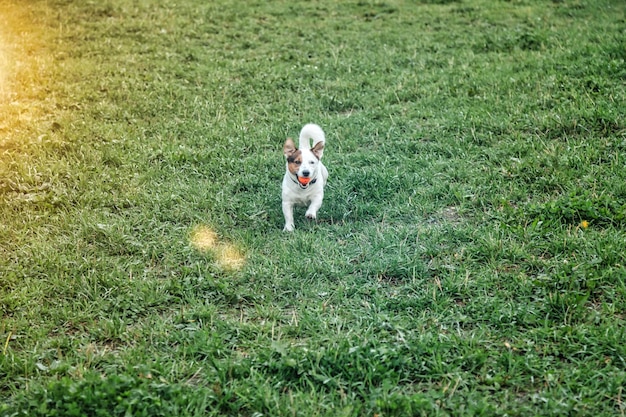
{"points": [[304, 181]]}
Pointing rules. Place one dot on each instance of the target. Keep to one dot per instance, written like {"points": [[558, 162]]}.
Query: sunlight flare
{"points": [[203, 238], [227, 255], [4, 65], [25, 70]]}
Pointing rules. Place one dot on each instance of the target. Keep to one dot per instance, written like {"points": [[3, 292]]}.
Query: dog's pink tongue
{"points": [[303, 180]]}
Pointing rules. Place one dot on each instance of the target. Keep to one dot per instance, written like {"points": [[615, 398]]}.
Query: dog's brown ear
{"points": [[289, 148], [318, 150]]}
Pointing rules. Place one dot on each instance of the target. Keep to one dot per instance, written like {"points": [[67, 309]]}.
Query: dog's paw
{"points": [[311, 216], [288, 228]]}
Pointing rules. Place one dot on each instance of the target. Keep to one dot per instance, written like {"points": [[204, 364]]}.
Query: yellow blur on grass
{"points": [[26, 73], [4, 64], [228, 256]]}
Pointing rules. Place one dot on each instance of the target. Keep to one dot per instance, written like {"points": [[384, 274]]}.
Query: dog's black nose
{"points": [[305, 173]]}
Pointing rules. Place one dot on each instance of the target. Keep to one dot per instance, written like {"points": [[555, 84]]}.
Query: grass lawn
{"points": [[469, 258]]}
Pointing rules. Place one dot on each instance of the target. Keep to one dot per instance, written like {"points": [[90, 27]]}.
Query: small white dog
{"points": [[306, 175]]}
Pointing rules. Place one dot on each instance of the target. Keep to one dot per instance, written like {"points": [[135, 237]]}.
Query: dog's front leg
{"points": [[288, 213], [316, 203]]}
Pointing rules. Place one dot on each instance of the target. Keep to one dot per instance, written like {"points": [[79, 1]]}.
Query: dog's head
{"points": [[303, 163]]}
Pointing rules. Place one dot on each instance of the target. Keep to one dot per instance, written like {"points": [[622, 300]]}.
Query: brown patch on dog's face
{"points": [[293, 155], [294, 161]]}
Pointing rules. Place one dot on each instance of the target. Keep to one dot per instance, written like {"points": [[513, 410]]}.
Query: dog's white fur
{"points": [[304, 162]]}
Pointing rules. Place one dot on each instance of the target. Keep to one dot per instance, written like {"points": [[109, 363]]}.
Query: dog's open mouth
{"points": [[304, 181]]}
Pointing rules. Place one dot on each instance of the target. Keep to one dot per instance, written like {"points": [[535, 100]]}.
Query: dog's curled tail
{"points": [[308, 132]]}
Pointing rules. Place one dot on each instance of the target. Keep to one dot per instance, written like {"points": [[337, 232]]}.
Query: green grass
{"points": [[469, 258]]}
